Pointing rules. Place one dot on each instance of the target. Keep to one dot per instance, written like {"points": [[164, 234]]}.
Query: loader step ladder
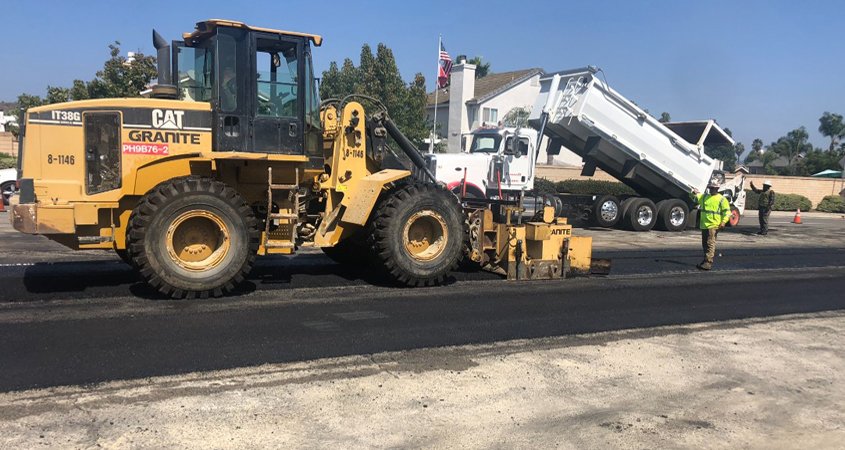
{"points": [[294, 195]]}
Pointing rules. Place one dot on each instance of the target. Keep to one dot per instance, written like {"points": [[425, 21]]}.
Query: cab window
{"points": [[277, 79], [195, 77], [485, 143]]}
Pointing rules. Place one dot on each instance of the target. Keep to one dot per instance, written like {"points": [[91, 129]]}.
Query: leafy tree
{"points": [[757, 145], [818, 160], [739, 149], [378, 76], [725, 153], [118, 78], [665, 117], [517, 117], [56, 95], [728, 154], [79, 90], [756, 152], [792, 146], [26, 101], [833, 127], [122, 78], [482, 69]]}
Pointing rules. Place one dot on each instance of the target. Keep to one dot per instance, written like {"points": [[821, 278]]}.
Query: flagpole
{"points": [[436, 91]]}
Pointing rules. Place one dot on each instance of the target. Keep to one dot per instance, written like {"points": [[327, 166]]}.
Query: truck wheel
{"points": [[193, 237], [672, 215], [606, 211], [7, 189], [417, 234], [641, 214], [735, 217]]}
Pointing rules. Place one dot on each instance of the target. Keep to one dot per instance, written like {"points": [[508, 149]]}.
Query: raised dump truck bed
{"points": [[661, 162], [611, 132]]}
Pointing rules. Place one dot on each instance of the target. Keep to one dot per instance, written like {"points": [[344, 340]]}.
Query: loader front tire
{"points": [[417, 234], [193, 237]]}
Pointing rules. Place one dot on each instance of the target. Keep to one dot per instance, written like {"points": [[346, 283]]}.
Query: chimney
{"points": [[461, 90]]}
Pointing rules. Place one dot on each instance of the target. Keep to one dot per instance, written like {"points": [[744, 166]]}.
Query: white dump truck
{"points": [[661, 162]]}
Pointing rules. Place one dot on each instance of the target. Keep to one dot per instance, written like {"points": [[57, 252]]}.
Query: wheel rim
{"points": [[644, 215], [734, 217], [609, 210], [677, 216], [198, 240], [425, 235]]}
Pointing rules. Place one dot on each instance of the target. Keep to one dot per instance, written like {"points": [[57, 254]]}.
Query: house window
{"points": [[490, 116]]}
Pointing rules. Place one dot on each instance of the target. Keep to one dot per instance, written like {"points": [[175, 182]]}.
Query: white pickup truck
{"points": [[661, 162]]}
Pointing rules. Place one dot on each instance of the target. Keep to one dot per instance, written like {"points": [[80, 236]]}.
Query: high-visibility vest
{"points": [[713, 210]]}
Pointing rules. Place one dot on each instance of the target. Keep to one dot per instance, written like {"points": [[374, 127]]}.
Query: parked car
{"points": [[8, 178]]}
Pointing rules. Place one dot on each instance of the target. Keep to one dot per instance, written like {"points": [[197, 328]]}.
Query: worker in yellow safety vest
{"points": [[714, 212]]}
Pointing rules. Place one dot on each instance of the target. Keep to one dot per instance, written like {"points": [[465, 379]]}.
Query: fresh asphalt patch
{"points": [[77, 346]]}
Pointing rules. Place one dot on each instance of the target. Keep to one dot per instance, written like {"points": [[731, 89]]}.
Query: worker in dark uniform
{"points": [[714, 212], [765, 203]]}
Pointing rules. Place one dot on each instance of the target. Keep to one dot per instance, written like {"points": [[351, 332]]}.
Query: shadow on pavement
{"points": [[43, 281]]}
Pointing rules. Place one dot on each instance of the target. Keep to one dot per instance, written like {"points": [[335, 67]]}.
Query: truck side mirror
{"points": [[509, 149]]}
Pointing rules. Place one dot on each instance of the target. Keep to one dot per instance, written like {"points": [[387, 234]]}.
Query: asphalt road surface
{"points": [[70, 318]]}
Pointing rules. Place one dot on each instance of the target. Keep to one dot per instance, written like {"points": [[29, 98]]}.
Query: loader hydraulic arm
{"points": [[381, 118]]}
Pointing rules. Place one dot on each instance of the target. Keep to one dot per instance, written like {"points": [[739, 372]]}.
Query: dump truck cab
{"points": [[499, 162]]}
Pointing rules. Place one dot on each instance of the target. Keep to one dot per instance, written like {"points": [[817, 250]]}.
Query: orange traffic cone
{"points": [[797, 218]]}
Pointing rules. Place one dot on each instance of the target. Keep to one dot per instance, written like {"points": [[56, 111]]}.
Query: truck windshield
{"points": [[487, 143]]}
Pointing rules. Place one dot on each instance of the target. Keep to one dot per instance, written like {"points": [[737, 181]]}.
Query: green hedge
{"points": [[8, 162], [783, 202], [544, 186], [832, 203]]}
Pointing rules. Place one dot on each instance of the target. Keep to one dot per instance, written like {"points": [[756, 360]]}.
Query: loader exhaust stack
{"points": [[165, 87]]}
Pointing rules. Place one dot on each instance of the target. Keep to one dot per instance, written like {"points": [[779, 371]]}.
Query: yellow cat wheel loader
{"points": [[234, 156]]}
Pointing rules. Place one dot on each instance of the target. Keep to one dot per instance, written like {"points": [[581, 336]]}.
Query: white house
{"points": [[6, 121], [467, 104]]}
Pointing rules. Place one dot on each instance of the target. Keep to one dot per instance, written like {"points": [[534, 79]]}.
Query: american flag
{"points": [[445, 63]]}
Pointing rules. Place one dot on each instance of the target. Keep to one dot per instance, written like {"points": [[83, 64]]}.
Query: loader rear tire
{"points": [[123, 254], [417, 234], [193, 237]]}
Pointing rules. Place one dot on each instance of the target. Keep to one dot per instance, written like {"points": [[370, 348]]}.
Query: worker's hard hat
{"points": [[767, 183]]}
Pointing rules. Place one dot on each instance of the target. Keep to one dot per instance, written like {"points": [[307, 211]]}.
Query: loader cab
{"points": [[260, 84]]}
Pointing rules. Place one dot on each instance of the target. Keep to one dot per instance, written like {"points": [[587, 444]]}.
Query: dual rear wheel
{"points": [[640, 214]]}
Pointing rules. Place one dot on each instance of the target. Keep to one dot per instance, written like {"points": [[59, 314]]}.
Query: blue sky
{"points": [[761, 68]]}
